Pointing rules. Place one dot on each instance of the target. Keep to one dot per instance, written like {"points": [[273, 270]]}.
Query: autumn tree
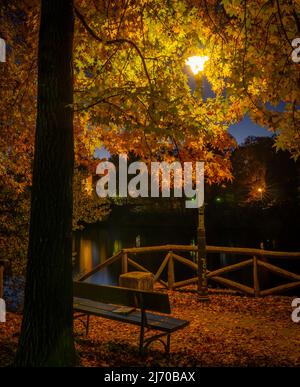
{"points": [[47, 326], [18, 26], [131, 95], [250, 45], [132, 86]]}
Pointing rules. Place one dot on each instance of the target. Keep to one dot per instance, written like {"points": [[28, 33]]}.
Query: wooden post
{"points": [[202, 265], [255, 278], [171, 275], [124, 263]]}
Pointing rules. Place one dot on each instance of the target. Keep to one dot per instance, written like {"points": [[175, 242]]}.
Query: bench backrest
{"points": [[157, 302]]}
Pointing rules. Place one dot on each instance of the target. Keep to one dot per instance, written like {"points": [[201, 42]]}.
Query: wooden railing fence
{"points": [[251, 257]]}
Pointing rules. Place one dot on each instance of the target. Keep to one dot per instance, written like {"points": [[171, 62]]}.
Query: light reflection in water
{"points": [[86, 255], [117, 245]]}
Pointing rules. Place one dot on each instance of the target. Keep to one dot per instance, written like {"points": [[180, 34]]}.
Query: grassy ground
{"points": [[229, 330]]}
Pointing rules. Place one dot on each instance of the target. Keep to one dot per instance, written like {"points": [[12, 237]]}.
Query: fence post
{"points": [[255, 278], [171, 275], [124, 263], [202, 260]]}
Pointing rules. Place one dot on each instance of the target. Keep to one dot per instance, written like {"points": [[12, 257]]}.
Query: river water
{"points": [[97, 243]]}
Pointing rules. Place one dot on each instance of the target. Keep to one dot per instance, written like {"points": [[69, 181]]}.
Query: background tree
{"points": [[239, 214], [88, 208], [18, 26], [263, 176], [18, 76]]}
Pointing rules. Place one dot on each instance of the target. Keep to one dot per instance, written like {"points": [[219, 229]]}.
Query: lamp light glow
{"points": [[196, 63]]}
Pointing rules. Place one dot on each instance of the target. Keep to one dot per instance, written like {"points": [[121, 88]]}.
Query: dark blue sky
{"points": [[247, 128]]}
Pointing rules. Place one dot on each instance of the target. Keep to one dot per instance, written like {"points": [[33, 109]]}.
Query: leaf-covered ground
{"points": [[229, 330]]}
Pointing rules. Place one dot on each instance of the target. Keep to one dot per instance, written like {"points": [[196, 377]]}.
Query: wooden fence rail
{"points": [[251, 257]]}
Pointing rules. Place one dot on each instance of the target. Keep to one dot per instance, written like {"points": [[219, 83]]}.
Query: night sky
{"points": [[247, 128]]}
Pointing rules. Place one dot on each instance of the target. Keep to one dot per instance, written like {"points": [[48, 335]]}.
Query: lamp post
{"points": [[196, 64]]}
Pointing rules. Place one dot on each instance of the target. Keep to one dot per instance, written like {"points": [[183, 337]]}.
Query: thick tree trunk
{"points": [[47, 328]]}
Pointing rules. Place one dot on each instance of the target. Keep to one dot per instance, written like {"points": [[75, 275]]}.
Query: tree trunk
{"points": [[47, 327]]}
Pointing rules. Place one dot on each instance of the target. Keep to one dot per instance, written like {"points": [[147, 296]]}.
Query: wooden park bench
{"points": [[129, 306]]}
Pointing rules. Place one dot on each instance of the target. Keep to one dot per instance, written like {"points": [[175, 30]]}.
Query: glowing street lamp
{"points": [[260, 190], [196, 63]]}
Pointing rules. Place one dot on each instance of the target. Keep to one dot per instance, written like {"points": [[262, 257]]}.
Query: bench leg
{"points": [[85, 324], [160, 337], [168, 343], [142, 335]]}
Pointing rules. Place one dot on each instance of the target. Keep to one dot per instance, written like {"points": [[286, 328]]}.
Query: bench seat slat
{"points": [[154, 301], [154, 321]]}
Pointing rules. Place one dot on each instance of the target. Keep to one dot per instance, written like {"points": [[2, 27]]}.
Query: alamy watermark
{"points": [[296, 51], [189, 179], [295, 316], [2, 311], [2, 50]]}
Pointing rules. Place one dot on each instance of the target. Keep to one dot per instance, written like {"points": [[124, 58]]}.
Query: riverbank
{"points": [[229, 330]]}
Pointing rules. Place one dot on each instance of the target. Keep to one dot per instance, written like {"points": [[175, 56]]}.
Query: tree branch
{"points": [[297, 20], [97, 102], [114, 41], [224, 38], [281, 23]]}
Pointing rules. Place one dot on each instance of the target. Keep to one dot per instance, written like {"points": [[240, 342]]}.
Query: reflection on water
{"points": [[117, 246], [95, 244], [86, 262]]}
